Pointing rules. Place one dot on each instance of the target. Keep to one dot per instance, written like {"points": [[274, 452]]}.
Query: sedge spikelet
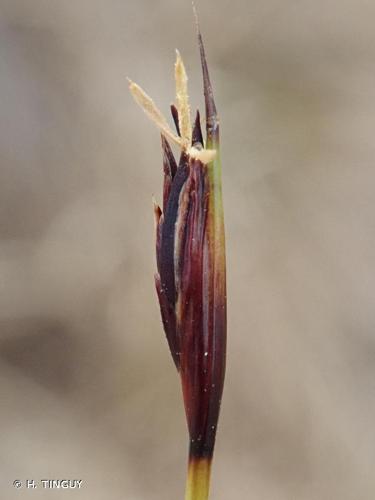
{"points": [[191, 273]]}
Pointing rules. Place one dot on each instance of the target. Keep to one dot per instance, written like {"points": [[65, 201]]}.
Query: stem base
{"points": [[198, 479]]}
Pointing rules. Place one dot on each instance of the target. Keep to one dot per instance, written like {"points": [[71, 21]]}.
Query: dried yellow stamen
{"points": [[149, 107], [184, 122], [182, 99], [203, 155]]}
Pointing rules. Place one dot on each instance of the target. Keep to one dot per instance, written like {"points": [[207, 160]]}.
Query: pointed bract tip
{"points": [[210, 104], [195, 15], [211, 113]]}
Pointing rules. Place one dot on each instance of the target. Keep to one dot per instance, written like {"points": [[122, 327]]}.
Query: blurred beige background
{"points": [[88, 388]]}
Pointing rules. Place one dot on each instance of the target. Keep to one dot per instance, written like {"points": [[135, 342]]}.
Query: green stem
{"points": [[198, 479]]}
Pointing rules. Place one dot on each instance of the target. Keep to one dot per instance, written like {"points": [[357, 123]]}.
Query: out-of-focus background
{"points": [[88, 389]]}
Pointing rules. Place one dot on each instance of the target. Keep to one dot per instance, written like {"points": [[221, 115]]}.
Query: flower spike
{"points": [[191, 274]]}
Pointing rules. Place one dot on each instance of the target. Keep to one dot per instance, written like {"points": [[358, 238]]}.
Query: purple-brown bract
{"points": [[190, 278]]}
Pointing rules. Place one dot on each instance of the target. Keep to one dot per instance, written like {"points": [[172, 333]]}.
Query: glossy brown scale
{"points": [[174, 112], [169, 322], [197, 136], [165, 282], [202, 359], [174, 182], [167, 274], [169, 168]]}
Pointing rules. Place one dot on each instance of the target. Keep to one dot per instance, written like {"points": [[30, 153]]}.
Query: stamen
{"points": [[182, 99], [149, 107], [203, 155]]}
